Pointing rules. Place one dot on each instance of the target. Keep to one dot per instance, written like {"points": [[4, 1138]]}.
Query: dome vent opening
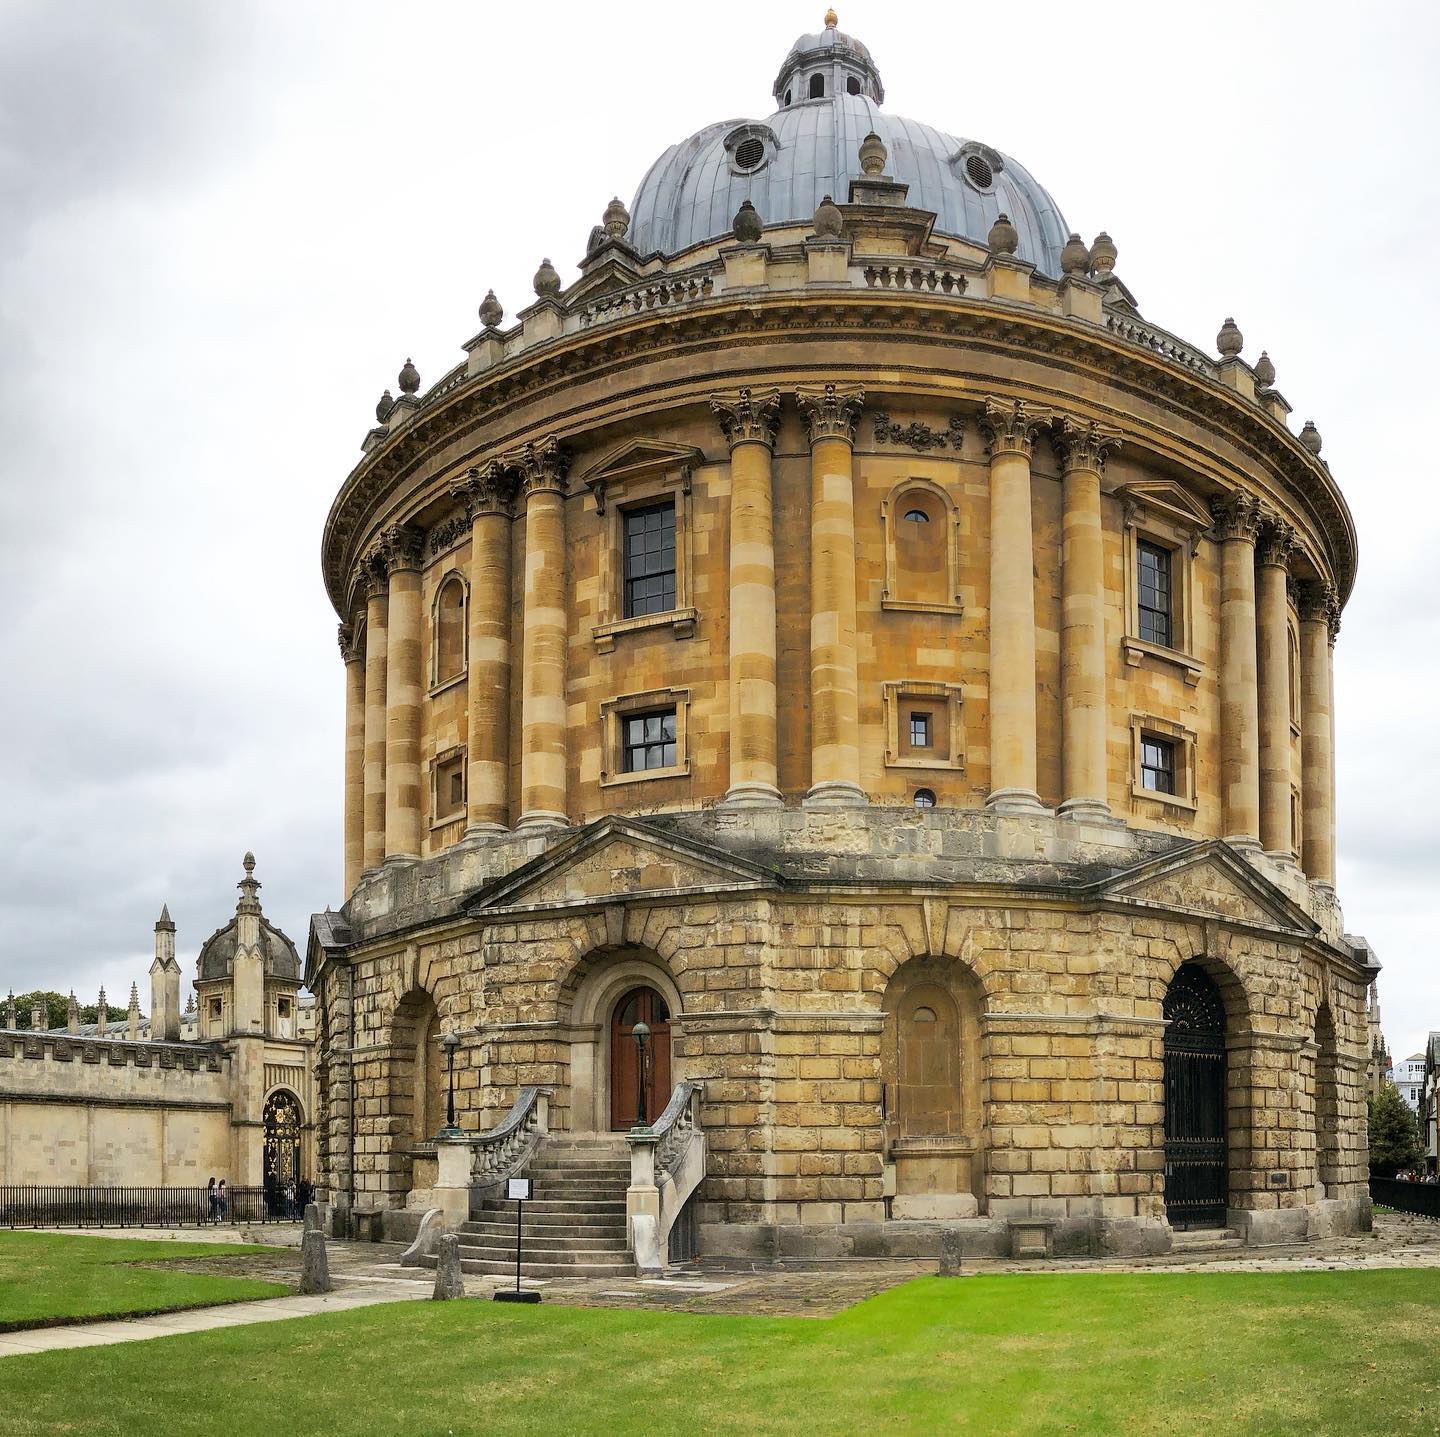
{"points": [[749, 154], [979, 166], [978, 172]]}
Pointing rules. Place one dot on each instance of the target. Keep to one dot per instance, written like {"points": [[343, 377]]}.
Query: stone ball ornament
{"points": [[747, 225], [491, 311], [408, 378], [547, 280], [1004, 238], [1229, 341]]}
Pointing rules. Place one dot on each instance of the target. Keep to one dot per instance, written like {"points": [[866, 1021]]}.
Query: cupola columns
{"points": [[1273, 640], [403, 690], [353, 654], [831, 411], [488, 492], [1084, 713], [377, 631], [1237, 524], [749, 419], [1009, 430], [543, 802], [1318, 613]]}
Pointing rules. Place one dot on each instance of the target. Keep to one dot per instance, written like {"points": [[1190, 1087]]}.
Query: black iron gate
{"points": [[1196, 1170], [282, 1140]]}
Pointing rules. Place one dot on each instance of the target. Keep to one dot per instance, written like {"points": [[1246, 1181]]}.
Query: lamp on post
{"points": [[641, 1033], [451, 1041]]}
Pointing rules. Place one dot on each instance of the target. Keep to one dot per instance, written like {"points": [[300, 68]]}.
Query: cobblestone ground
{"points": [[1397, 1241]]}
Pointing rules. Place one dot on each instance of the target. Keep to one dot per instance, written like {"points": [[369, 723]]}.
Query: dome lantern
{"points": [[825, 64]]}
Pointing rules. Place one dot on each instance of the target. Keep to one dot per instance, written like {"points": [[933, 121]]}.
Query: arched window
{"points": [[852, 86], [450, 629], [922, 565], [817, 87]]}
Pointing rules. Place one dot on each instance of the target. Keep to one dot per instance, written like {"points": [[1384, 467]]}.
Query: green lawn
{"points": [[46, 1278], [1222, 1354]]}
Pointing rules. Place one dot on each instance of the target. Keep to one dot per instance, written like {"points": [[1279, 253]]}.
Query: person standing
{"points": [[220, 1199], [213, 1200]]}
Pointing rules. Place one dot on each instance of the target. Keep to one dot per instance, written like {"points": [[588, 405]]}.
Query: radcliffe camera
{"points": [[839, 877]]}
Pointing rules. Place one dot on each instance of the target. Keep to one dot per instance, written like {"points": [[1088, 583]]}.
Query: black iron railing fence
{"points": [[1420, 1198], [135, 1207]]}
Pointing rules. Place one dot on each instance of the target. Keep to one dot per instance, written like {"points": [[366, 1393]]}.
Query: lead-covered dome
{"points": [[217, 954], [829, 96]]}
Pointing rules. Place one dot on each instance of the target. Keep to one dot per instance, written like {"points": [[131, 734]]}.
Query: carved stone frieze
{"points": [[748, 416], [831, 410], [1083, 444], [1010, 426], [918, 436], [1237, 516], [448, 531], [1277, 539]]}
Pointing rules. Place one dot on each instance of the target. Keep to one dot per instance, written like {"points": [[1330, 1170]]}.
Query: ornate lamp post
{"points": [[451, 1041], [640, 1032]]}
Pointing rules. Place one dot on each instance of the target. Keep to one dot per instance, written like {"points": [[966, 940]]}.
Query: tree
{"points": [[1394, 1137]]}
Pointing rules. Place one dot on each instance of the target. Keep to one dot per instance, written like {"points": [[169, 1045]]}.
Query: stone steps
{"points": [[1206, 1239]]}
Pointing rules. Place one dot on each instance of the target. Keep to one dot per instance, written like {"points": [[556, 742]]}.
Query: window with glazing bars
{"points": [[1157, 765], [919, 730], [1157, 625], [649, 560], [649, 741]]}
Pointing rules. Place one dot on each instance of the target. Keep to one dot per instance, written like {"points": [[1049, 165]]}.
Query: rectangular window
{"points": [[919, 730], [649, 741], [650, 560], [449, 789], [1157, 764], [1156, 601]]}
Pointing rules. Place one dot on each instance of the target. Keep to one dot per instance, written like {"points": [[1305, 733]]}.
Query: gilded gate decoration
{"points": [[282, 1139], [1196, 1167]]}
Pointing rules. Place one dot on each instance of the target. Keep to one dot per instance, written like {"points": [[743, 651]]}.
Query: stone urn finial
{"points": [[616, 219], [1264, 371], [1103, 254], [829, 222], [831, 19], [1003, 238], [873, 154], [491, 310], [547, 280], [1229, 341], [383, 408], [1075, 258], [409, 378], [1310, 437], [747, 223]]}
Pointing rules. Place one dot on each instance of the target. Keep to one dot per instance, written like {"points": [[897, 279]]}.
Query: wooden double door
{"points": [[638, 1096]]}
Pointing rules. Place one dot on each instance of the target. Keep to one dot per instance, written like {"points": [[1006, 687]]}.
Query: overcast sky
{"points": [[224, 226]]}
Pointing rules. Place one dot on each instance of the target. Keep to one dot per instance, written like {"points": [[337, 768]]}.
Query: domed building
{"points": [[839, 741]]}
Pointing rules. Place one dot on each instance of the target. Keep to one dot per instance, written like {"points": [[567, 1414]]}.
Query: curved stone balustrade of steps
{"points": [[574, 1224]]}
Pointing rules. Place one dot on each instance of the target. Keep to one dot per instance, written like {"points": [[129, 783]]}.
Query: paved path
{"points": [[203, 1319]]}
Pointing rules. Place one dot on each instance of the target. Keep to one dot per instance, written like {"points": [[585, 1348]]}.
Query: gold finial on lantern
{"points": [[831, 19]]}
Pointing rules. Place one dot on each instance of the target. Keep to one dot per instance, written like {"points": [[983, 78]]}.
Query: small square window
{"points": [[648, 741], [919, 730], [650, 560], [216, 1007], [449, 787], [1157, 764], [1155, 594]]}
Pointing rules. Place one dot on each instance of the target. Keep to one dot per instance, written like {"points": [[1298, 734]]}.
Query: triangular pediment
{"points": [[609, 268], [616, 858], [1212, 880], [1168, 499], [640, 456]]}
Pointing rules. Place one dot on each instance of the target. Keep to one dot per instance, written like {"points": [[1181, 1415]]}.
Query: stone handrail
{"points": [[502, 1150], [667, 1164], [1160, 341]]}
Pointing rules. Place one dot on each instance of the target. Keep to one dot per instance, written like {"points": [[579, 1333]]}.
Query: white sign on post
{"points": [[518, 1189]]}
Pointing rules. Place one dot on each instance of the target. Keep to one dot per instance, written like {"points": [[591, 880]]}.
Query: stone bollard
{"points": [[314, 1264], [449, 1280], [950, 1253], [312, 1217]]}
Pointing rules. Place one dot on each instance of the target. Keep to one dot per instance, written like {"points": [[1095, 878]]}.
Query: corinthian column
{"points": [[377, 627], [1317, 612], [354, 656], [749, 420], [488, 492], [831, 411], [1084, 714], [403, 688], [542, 469], [1273, 654], [1237, 522], [1009, 431]]}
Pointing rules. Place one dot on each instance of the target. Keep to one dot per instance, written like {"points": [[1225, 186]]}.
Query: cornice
{"points": [[738, 326]]}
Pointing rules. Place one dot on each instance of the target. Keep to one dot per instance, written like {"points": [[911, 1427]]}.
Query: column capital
{"points": [[401, 547], [371, 575], [1237, 516], [1010, 426], [1083, 444], [831, 410], [542, 467], [1277, 539], [1317, 599], [486, 489], [748, 416], [350, 651]]}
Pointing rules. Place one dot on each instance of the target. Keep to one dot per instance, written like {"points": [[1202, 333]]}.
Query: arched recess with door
{"points": [[607, 994], [922, 548], [1327, 1106], [284, 1126], [932, 1066], [417, 1077]]}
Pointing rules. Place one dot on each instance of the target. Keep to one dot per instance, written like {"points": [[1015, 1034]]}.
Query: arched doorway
{"points": [[283, 1123], [1197, 1178], [637, 1097], [1327, 1106]]}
